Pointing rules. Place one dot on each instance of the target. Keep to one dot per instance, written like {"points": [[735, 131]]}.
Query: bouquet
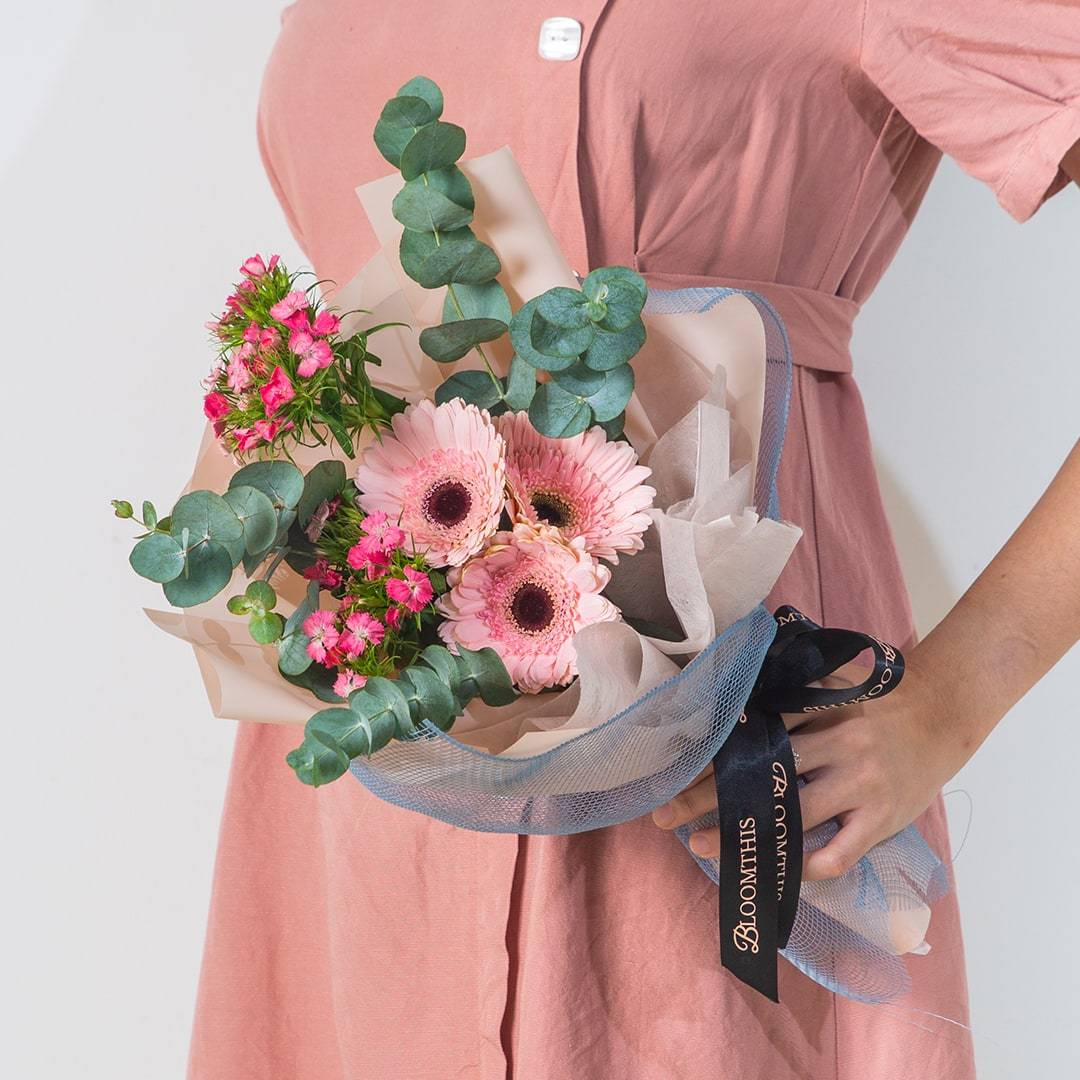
{"points": [[521, 585]]}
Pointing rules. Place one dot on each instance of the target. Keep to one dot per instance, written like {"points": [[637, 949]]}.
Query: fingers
{"points": [[813, 750], [856, 837], [706, 844], [696, 800]]}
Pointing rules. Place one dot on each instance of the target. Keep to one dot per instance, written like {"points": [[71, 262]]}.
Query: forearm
{"points": [[1015, 622]]}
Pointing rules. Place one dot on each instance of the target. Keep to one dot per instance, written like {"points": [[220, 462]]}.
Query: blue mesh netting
{"points": [[639, 759]]}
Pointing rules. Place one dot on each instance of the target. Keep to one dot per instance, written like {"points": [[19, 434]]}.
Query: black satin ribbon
{"points": [[757, 789]]}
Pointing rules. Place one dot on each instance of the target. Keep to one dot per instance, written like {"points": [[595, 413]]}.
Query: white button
{"points": [[560, 38]]}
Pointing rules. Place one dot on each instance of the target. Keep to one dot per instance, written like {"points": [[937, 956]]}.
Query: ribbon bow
{"points": [[757, 788]]}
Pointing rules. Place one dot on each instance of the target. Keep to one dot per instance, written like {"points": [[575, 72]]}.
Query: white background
{"points": [[130, 186]]}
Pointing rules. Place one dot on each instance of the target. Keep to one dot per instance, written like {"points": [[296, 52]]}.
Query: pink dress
{"points": [[779, 144]]}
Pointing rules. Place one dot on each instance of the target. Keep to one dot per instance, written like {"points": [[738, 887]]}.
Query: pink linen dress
{"points": [[773, 144]]}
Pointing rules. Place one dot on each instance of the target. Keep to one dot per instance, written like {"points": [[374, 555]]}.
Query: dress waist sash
{"points": [[819, 324]]}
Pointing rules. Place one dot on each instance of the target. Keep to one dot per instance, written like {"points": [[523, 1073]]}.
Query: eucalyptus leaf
{"points": [[623, 305], [557, 413], [205, 516], [474, 387], [266, 629], [383, 697], [610, 399], [150, 514], [567, 308], [608, 350], [442, 662], [317, 680], [207, 571], [415, 249], [484, 674], [580, 379], [561, 341], [257, 517], [429, 698], [596, 285], [293, 658], [486, 301], [422, 87], [158, 557], [451, 341], [317, 762], [323, 482], [434, 146], [262, 594], [520, 384], [521, 339], [280, 481], [400, 118], [460, 257], [364, 727], [421, 204]]}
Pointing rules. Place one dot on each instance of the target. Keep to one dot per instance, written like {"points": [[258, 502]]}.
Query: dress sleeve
{"points": [[994, 84]]}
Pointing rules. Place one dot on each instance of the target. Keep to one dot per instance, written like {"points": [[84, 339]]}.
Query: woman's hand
{"points": [[874, 769]]}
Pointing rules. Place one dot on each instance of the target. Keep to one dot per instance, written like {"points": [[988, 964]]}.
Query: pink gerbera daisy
{"points": [[440, 475], [584, 486], [525, 597]]}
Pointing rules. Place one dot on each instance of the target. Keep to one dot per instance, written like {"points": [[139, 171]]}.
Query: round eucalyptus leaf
{"points": [[209, 569], [610, 399], [474, 387], [557, 413], [451, 341], [238, 605], [551, 340], [520, 384], [382, 698], [415, 249], [460, 257], [567, 308], [280, 481], [256, 514], [595, 286], [430, 698], [486, 301], [579, 379], [323, 482], [434, 146], [158, 557], [623, 303], [485, 674], [206, 516], [420, 205], [261, 593], [609, 349], [317, 763], [266, 629], [422, 87], [521, 339], [407, 111], [400, 118]]}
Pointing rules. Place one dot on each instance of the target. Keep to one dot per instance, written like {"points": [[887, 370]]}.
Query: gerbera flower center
{"points": [[532, 608], [448, 503], [552, 509]]}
